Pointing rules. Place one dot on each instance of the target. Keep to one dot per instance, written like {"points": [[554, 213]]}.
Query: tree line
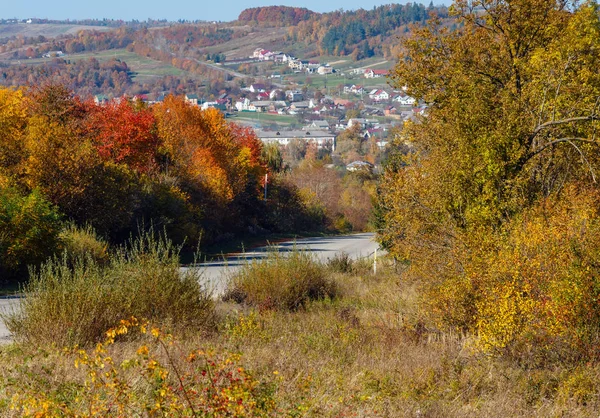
{"points": [[89, 77], [122, 167]]}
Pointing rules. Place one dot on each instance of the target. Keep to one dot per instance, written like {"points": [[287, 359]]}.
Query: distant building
{"points": [[257, 88], [379, 95], [321, 138], [321, 125], [101, 99], [360, 166], [325, 69], [192, 99], [54, 54]]}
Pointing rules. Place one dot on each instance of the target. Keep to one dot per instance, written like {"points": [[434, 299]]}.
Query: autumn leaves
{"points": [[119, 166]]}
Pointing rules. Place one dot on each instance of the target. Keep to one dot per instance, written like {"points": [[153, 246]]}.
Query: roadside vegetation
{"points": [[359, 344]]}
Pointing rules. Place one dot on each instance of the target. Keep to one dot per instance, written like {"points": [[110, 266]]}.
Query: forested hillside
{"points": [[88, 77], [275, 15], [362, 33]]}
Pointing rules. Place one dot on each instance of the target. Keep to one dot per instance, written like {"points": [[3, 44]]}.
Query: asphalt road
{"points": [[214, 274]]}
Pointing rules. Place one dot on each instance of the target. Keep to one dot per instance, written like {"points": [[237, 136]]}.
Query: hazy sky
{"points": [[224, 10]]}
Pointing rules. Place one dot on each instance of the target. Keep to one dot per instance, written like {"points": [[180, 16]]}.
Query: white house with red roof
{"points": [[369, 73], [379, 95]]}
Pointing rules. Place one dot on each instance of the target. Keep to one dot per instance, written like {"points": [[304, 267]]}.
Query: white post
{"points": [[375, 262]]}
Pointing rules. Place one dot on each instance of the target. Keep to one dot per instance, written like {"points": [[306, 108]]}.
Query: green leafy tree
{"points": [[29, 228]]}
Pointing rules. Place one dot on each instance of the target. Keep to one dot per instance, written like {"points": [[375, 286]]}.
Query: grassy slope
{"points": [[141, 66], [45, 29]]}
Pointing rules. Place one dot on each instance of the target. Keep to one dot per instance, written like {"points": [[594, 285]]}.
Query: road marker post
{"points": [[375, 262]]}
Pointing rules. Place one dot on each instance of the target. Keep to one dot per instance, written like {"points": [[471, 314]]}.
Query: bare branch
{"points": [[552, 123], [585, 160], [559, 140]]}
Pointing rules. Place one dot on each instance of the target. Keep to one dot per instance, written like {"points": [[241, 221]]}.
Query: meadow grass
{"points": [[369, 351]]}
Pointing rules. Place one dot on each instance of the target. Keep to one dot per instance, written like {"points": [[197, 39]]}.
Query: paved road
{"points": [[215, 273], [6, 305]]}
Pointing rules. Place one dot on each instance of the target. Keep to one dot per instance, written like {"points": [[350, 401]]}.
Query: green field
{"points": [[331, 82]]}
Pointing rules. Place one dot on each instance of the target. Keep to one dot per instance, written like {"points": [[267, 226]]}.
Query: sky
{"points": [[220, 10]]}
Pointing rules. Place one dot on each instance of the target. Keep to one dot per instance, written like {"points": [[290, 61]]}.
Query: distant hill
{"points": [[276, 15], [358, 33]]}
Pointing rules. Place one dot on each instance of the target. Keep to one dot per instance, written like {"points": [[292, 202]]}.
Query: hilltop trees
{"points": [[275, 15], [509, 146], [360, 33]]}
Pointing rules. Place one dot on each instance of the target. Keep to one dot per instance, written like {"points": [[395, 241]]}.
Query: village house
{"points": [[101, 99], [363, 123], [243, 105], [263, 96], [214, 105], [379, 95], [53, 54], [298, 65], [294, 95], [257, 53], [192, 99], [360, 166], [358, 71], [321, 125], [354, 89], [376, 73], [325, 69], [257, 88], [405, 100], [264, 54], [276, 92], [261, 105]]}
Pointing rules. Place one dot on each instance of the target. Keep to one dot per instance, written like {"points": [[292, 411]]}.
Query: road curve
{"points": [[214, 274]]}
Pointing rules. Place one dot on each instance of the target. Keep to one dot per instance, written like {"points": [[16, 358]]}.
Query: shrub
{"points": [[69, 303], [80, 242], [340, 263], [281, 281], [157, 379]]}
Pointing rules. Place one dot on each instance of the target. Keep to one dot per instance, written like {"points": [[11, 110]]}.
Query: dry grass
{"points": [[367, 353]]}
